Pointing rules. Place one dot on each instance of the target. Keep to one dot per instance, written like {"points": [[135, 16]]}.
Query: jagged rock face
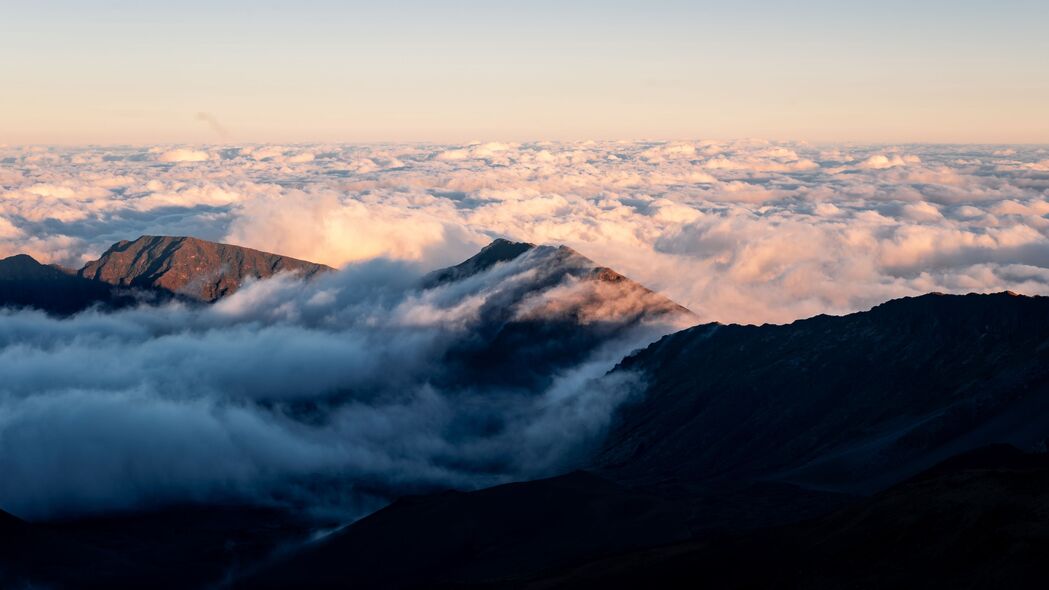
{"points": [[852, 403], [189, 267]]}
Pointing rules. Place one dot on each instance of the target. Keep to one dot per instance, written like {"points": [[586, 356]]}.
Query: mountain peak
{"points": [[25, 282], [189, 266], [20, 263], [25, 267], [20, 259], [499, 250]]}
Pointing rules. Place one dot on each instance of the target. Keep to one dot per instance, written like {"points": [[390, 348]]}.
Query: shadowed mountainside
{"points": [[977, 520], [848, 404], [510, 530], [179, 547]]}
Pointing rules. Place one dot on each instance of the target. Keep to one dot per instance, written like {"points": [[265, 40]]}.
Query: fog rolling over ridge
{"points": [[332, 393]]}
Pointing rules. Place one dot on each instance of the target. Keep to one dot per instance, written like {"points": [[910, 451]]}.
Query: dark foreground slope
{"points": [[179, 547], [848, 404], [979, 520], [507, 532]]}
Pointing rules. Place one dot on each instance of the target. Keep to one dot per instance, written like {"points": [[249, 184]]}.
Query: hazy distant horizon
{"points": [[533, 141]]}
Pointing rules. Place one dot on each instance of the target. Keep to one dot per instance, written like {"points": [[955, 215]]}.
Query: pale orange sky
{"points": [[121, 72]]}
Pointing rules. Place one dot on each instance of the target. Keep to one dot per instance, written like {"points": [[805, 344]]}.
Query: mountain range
{"points": [[898, 446]]}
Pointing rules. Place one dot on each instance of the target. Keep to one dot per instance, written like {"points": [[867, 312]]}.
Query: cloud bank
{"points": [[332, 395], [746, 231]]}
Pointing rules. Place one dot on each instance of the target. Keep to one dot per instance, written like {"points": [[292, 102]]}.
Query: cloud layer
{"points": [[335, 394], [746, 231]]}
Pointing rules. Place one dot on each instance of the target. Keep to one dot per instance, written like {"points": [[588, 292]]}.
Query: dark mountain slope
{"points": [[852, 403], [184, 547], [979, 520], [975, 521], [189, 267], [500, 533]]}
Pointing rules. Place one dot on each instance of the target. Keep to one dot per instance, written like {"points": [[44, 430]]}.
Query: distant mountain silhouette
{"points": [[190, 267], [849, 404], [24, 282]]}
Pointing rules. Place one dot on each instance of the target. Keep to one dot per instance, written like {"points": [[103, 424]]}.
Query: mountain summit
{"points": [[544, 309], [586, 285], [189, 267]]}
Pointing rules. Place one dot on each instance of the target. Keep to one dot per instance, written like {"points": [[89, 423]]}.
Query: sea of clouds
{"points": [[744, 231], [321, 395]]}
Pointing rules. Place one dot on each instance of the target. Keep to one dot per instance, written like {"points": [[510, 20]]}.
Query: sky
{"points": [[113, 72]]}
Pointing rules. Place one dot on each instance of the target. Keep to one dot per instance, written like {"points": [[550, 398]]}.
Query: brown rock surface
{"points": [[189, 266]]}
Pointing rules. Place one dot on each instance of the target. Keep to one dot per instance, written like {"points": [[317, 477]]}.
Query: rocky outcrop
{"points": [[189, 267]]}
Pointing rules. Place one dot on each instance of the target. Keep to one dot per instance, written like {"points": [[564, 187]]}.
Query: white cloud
{"points": [[183, 155], [745, 231], [882, 161], [8, 231]]}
